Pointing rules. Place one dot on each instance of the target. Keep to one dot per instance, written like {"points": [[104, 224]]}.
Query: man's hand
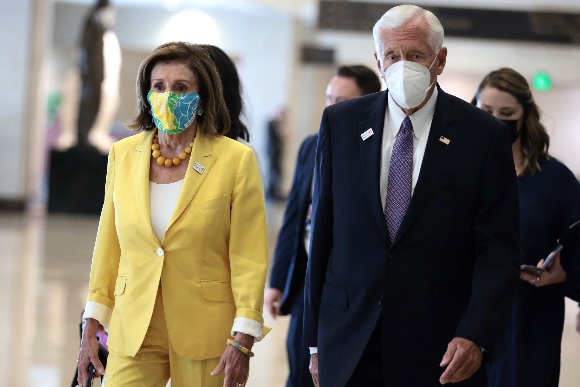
{"points": [[556, 274], [273, 299], [462, 359], [314, 368]]}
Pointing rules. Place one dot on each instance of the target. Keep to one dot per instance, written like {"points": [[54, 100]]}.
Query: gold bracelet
{"points": [[239, 347]]}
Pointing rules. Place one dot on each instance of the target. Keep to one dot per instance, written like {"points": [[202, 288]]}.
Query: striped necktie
{"points": [[400, 178]]}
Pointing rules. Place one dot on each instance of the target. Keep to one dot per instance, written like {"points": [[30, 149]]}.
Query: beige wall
{"points": [[269, 64]]}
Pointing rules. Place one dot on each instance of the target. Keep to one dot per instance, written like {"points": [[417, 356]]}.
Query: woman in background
{"points": [[232, 87], [529, 354], [179, 264]]}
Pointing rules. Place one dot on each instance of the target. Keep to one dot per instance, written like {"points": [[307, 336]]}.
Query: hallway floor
{"points": [[45, 263]]}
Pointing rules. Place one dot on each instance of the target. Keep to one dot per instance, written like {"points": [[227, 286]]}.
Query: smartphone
{"points": [[573, 232], [533, 270], [547, 263]]}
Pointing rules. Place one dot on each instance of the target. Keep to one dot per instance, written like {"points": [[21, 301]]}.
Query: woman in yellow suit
{"points": [[180, 258]]}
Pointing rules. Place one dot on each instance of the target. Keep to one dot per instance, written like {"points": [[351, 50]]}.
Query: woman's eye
{"points": [[158, 87]]}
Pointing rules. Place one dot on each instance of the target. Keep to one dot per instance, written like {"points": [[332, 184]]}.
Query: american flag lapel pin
{"points": [[367, 133], [198, 168], [444, 140]]}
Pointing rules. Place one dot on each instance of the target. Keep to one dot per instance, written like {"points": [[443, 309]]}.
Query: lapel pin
{"points": [[367, 133], [444, 140], [198, 168]]}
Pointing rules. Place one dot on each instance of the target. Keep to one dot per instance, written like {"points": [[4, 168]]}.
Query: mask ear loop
{"points": [[429, 69]]}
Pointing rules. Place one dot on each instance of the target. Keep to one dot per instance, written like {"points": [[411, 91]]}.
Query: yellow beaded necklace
{"points": [[169, 162]]}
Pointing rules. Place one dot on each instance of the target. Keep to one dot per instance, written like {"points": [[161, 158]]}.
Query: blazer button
{"points": [[391, 255], [160, 252], [380, 303]]}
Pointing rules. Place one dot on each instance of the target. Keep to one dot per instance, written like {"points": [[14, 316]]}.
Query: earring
{"points": [[199, 111]]}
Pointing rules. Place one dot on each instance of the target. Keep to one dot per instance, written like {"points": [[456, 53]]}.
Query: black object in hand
{"points": [[572, 232]]}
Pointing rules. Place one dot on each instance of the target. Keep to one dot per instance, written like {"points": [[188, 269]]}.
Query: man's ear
{"points": [[378, 62], [442, 56]]}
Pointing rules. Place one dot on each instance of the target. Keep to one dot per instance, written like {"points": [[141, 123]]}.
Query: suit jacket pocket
{"points": [[334, 297], [120, 285], [209, 204], [217, 291]]}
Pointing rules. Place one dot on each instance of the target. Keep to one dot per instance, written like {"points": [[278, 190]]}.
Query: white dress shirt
{"points": [[421, 121]]}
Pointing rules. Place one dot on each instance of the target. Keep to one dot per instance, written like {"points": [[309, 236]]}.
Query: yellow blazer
{"points": [[211, 263]]}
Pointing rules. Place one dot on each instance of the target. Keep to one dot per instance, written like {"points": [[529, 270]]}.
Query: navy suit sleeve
{"points": [[496, 233], [291, 226], [321, 233]]}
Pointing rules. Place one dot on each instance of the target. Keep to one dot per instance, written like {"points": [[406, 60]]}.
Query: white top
{"points": [[421, 121], [162, 200]]}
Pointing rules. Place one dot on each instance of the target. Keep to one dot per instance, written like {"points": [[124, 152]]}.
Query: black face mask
{"points": [[513, 128]]}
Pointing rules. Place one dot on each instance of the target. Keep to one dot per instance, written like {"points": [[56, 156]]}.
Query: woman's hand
{"points": [[235, 363], [555, 275], [89, 352]]}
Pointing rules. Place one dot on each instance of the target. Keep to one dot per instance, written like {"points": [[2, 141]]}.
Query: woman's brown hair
{"points": [[534, 139], [215, 120]]}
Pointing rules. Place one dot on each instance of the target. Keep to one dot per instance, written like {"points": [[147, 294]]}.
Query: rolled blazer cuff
{"points": [[256, 318], [99, 312], [248, 327]]}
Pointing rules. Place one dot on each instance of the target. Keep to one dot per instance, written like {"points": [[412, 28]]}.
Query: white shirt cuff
{"points": [[99, 312], [247, 326], [313, 350]]}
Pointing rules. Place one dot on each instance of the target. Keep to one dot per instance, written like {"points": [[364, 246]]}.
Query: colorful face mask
{"points": [[173, 113]]}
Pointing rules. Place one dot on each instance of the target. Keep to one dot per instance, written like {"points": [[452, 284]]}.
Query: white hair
{"points": [[399, 15]]}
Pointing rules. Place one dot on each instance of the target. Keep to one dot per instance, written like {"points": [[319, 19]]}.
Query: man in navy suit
{"points": [[415, 236], [286, 292]]}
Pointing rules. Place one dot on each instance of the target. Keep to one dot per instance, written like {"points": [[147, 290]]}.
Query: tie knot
{"points": [[407, 125]]}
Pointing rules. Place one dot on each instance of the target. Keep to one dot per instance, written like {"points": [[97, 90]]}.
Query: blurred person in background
{"points": [[232, 89], [275, 142], [529, 354], [286, 293], [180, 258]]}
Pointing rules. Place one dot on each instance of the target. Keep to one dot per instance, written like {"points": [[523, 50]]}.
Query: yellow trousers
{"points": [[156, 362]]}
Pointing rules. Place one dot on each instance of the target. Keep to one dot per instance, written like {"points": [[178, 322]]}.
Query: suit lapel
{"points": [[201, 154], [370, 153], [436, 154], [141, 165]]}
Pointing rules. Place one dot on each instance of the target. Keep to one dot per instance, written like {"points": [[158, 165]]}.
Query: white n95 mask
{"points": [[408, 82]]}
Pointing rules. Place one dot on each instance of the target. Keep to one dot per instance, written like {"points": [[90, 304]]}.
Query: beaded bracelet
{"points": [[239, 347]]}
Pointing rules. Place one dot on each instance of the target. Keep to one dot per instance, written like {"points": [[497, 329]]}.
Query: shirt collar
{"points": [[421, 119]]}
